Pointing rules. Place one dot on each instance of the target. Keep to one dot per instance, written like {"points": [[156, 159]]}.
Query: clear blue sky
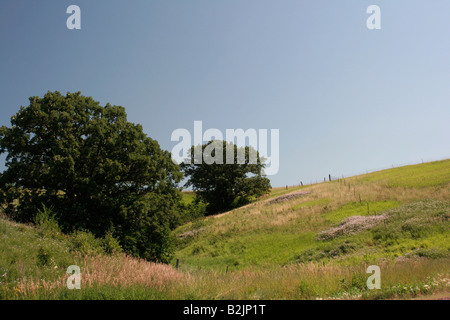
{"points": [[346, 99]]}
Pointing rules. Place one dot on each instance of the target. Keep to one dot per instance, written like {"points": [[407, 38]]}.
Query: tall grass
{"points": [[127, 278]]}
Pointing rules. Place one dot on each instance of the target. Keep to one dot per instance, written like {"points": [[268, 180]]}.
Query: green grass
{"points": [[275, 192], [325, 278], [311, 203], [27, 252], [266, 250], [418, 229], [259, 249], [435, 173], [410, 227], [187, 197], [278, 234], [359, 209]]}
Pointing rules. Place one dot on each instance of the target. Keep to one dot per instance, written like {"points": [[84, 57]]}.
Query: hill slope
{"points": [[311, 242], [398, 212]]}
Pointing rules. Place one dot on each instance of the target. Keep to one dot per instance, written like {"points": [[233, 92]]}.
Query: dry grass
{"points": [[119, 270], [351, 225], [302, 281], [315, 281], [271, 213], [128, 271]]}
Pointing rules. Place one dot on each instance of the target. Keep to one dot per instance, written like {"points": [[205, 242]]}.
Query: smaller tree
{"points": [[225, 184]]}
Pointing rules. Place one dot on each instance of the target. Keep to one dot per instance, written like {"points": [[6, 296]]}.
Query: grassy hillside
{"points": [[412, 221], [34, 261], [310, 242]]}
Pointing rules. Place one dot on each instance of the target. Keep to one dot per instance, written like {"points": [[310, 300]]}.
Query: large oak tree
{"points": [[97, 171]]}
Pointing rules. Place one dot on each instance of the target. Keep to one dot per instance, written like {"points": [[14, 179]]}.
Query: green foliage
{"points": [[26, 256], [110, 244], [85, 243], [90, 164], [328, 251], [414, 221], [355, 285], [45, 256], [306, 290], [433, 253], [228, 184], [194, 210], [46, 222], [436, 173], [146, 227], [359, 209]]}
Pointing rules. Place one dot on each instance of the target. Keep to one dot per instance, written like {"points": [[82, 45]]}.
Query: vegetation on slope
{"points": [[315, 245]]}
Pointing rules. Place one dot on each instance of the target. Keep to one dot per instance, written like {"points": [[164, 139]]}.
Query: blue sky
{"points": [[345, 99]]}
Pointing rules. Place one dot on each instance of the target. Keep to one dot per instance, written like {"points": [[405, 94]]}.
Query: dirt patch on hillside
{"points": [[279, 199], [351, 225], [190, 233], [287, 197]]}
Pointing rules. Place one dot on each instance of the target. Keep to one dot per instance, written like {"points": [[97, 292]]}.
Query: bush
{"points": [[193, 211], [46, 222], [110, 244], [146, 227], [329, 251], [46, 256], [433, 253], [85, 243], [355, 285]]}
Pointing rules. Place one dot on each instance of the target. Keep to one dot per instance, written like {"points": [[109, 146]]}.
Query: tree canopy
{"points": [[97, 171], [225, 184]]}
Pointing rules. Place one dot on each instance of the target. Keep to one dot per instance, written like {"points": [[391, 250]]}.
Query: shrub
{"points": [[85, 243], [110, 244], [45, 256], [330, 251], [193, 211], [355, 285], [433, 253], [46, 222]]}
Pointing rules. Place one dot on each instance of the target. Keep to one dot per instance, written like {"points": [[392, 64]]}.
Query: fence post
{"points": [[178, 264]]}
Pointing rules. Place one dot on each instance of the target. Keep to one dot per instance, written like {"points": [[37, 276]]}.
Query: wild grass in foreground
{"points": [[117, 276], [306, 281]]}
